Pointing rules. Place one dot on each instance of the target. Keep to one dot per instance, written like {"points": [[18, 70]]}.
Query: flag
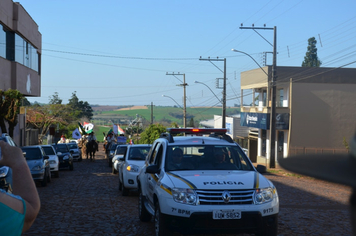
{"points": [[82, 130], [131, 142], [76, 134], [88, 127], [121, 131], [114, 128]]}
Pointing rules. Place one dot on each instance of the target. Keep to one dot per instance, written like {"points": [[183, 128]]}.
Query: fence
{"points": [[303, 150]]}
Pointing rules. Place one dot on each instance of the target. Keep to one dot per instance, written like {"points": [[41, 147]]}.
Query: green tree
{"points": [[153, 132], [10, 102], [311, 56], [55, 99], [81, 109], [191, 123]]}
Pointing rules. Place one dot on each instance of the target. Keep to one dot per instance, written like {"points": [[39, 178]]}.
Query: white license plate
{"points": [[226, 214]]}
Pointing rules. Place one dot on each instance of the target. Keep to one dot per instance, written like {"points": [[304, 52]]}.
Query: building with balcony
{"points": [[315, 110], [20, 56]]}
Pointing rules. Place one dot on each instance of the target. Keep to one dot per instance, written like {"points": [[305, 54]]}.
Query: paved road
{"points": [[86, 201]]}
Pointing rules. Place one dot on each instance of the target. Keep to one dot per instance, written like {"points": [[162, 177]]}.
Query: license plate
{"points": [[226, 214]]}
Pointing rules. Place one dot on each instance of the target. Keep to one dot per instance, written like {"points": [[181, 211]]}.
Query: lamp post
{"points": [[175, 102], [223, 125], [184, 84], [272, 162]]}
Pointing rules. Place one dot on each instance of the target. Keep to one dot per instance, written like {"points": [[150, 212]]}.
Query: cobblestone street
{"points": [[86, 201]]}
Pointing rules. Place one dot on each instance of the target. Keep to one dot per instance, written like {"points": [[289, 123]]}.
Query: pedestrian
{"points": [[336, 168], [19, 209], [110, 139]]}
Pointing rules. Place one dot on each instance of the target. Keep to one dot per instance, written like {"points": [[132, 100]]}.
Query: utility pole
{"points": [[184, 96], [223, 125], [272, 160], [151, 113]]}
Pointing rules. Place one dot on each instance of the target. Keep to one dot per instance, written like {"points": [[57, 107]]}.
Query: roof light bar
{"points": [[197, 131]]}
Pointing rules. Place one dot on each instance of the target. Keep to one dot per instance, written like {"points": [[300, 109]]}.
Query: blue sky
{"points": [[118, 52]]}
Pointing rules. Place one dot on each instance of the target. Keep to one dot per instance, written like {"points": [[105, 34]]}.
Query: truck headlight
{"points": [[132, 168], [186, 196], [264, 195]]}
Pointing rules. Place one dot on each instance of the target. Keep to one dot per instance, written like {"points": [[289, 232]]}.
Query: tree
{"points": [[81, 109], [42, 117], [10, 102], [152, 133], [311, 56], [55, 99], [191, 123]]}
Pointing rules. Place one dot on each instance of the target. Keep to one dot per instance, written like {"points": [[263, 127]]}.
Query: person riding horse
{"points": [[91, 146], [110, 139]]}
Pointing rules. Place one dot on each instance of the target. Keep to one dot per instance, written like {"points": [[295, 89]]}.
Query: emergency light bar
{"points": [[196, 130]]}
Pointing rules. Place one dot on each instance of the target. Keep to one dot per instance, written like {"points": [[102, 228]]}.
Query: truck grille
{"points": [[216, 197]]}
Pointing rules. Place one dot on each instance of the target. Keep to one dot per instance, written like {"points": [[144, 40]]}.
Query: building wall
{"points": [[18, 23], [322, 115]]}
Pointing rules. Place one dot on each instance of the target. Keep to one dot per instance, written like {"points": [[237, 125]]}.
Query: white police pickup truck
{"points": [[204, 182]]}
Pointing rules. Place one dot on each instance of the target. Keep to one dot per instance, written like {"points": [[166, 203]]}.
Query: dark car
{"points": [[77, 154], [64, 155], [111, 153], [6, 172], [37, 161]]}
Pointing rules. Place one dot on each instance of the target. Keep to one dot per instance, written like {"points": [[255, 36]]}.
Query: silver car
{"points": [[77, 154], [38, 164]]}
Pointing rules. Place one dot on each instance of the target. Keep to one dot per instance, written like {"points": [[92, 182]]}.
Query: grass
{"points": [[174, 114]]}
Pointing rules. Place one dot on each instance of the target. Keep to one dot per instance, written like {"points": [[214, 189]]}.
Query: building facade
{"points": [[315, 109], [20, 56]]}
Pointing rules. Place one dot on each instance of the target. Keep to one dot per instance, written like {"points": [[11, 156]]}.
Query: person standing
{"points": [[19, 210]]}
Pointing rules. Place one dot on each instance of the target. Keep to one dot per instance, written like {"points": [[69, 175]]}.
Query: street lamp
{"points": [[174, 101], [197, 82], [234, 50]]}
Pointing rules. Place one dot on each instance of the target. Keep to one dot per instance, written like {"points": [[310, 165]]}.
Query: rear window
{"points": [[61, 148], [32, 153], [72, 145], [120, 150]]}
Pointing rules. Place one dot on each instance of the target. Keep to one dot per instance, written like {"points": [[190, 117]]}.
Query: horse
{"points": [[91, 148]]}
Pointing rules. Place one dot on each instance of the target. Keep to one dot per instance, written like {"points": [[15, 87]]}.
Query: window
{"points": [[2, 42], [280, 98], [264, 98]]}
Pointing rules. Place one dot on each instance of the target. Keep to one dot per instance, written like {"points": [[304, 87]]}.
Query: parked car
{"points": [[53, 159], [64, 155], [37, 161], [5, 171], [77, 154], [119, 153], [111, 153], [132, 162]]}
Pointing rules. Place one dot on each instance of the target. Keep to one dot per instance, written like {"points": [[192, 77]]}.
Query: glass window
{"points": [[32, 153], [280, 101], [264, 98], [2, 42], [19, 49], [209, 157], [49, 151]]}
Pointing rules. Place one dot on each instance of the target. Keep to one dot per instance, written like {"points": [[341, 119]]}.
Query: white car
{"points": [[53, 159], [204, 182], [118, 157], [132, 162]]}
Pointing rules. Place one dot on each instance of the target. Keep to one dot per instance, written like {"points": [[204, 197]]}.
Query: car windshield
{"points": [[120, 150], [49, 150], [72, 145], [207, 157], [32, 153], [138, 153], [61, 148]]}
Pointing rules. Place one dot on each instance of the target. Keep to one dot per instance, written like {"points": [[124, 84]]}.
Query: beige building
{"points": [[20, 56], [315, 110]]}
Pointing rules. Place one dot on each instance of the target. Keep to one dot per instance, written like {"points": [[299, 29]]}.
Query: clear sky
{"points": [[118, 52]]}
